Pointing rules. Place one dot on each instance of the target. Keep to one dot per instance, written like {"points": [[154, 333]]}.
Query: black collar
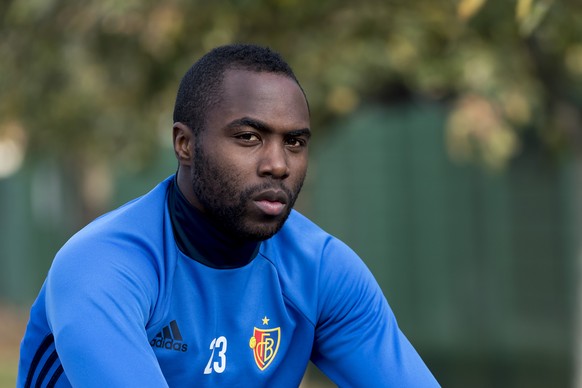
{"points": [[198, 239]]}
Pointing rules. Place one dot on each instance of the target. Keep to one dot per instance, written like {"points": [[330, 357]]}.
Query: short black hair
{"points": [[200, 87]]}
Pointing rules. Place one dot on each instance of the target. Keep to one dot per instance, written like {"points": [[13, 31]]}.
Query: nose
{"points": [[274, 162]]}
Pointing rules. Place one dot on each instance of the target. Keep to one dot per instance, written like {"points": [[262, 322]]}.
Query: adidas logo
{"points": [[169, 338]]}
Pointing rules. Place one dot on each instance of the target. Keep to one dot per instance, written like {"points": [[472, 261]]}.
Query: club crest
{"points": [[265, 344]]}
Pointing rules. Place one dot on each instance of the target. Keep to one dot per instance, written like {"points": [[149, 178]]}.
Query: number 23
{"points": [[219, 343]]}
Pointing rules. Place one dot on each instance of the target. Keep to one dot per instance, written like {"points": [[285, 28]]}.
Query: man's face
{"points": [[250, 160]]}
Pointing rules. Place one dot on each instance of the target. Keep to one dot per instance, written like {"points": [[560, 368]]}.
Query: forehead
{"points": [[273, 98]]}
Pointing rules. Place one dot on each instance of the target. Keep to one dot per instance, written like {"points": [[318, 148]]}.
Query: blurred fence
{"points": [[478, 266]]}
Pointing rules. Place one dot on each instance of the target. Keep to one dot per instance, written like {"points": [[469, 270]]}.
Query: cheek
{"points": [[300, 167], [238, 166], [231, 173]]}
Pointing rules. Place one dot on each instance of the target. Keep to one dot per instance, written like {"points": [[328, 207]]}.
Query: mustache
{"points": [[274, 185]]}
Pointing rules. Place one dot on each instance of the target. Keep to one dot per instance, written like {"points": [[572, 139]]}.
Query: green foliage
{"points": [[93, 80]]}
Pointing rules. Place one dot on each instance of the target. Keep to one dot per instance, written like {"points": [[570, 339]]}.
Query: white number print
{"points": [[217, 366]]}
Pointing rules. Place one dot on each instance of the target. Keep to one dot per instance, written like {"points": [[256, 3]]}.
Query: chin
{"points": [[259, 235], [262, 232]]}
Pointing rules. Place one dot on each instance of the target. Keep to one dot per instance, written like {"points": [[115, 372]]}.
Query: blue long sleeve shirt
{"points": [[123, 306]]}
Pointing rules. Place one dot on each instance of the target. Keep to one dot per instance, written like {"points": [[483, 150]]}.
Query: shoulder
{"points": [[124, 248], [146, 212], [311, 263], [302, 241], [136, 223]]}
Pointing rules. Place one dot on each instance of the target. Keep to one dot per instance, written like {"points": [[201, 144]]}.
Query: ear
{"points": [[183, 143]]}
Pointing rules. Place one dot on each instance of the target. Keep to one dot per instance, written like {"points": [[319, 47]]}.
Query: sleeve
{"points": [[98, 303], [358, 342]]}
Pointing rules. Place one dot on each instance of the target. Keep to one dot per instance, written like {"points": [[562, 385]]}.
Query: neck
{"points": [[198, 239]]}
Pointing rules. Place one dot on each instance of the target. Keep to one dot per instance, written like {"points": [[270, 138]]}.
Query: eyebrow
{"points": [[264, 127]]}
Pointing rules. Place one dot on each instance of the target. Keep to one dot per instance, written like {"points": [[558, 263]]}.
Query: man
{"points": [[211, 279]]}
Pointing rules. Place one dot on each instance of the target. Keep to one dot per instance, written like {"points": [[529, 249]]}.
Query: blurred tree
{"points": [[93, 82]]}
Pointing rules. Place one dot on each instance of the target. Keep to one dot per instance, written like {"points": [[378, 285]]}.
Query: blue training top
{"points": [[122, 306]]}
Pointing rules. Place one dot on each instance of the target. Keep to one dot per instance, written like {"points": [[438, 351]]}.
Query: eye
{"points": [[295, 142], [247, 137]]}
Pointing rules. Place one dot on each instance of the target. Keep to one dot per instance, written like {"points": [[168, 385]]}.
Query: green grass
{"points": [[13, 322], [8, 373]]}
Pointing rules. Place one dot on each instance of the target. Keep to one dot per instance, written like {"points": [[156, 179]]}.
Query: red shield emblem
{"points": [[265, 344]]}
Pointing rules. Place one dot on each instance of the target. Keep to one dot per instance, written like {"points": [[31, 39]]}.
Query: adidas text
{"points": [[169, 344]]}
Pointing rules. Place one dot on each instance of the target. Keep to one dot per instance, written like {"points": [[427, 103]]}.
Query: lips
{"points": [[271, 202]]}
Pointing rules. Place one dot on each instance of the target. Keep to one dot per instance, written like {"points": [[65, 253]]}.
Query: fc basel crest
{"points": [[265, 344]]}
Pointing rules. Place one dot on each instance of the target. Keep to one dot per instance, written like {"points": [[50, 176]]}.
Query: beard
{"points": [[226, 200]]}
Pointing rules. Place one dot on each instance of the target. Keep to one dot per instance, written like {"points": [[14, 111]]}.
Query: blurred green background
{"points": [[446, 153]]}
